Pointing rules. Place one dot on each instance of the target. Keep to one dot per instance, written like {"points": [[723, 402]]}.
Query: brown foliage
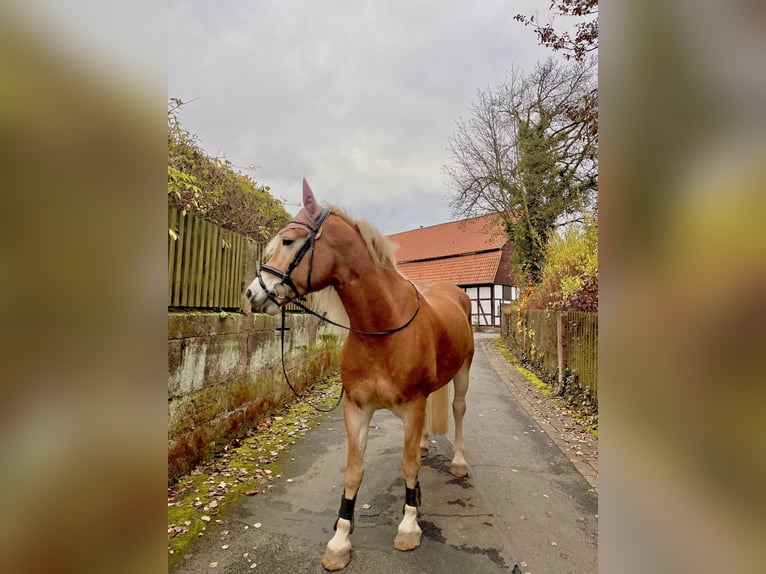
{"points": [[586, 37]]}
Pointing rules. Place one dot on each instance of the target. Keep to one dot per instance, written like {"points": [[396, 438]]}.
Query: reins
{"points": [[308, 246], [282, 330], [324, 319]]}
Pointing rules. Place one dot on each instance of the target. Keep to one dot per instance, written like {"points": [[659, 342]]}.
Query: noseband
{"points": [[286, 281]]}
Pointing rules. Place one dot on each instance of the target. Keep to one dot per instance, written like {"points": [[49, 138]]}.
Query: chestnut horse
{"points": [[405, 342]]}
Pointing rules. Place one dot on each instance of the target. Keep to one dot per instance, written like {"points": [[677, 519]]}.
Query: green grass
{"points": [[544, 387]]}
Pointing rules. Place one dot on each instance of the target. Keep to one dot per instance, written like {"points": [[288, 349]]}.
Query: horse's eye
{"points": [[287, 242]]}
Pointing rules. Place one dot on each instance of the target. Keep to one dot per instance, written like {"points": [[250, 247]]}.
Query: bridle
{"points": [[286, 281]]}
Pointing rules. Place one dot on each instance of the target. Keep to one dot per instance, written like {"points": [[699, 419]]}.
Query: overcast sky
{"points": [[359, 97]]}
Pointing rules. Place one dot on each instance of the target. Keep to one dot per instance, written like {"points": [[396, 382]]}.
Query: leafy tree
{"points": [[580, 48], [211, 188], [526, 156]]}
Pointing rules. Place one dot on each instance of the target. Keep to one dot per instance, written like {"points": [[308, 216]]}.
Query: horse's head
{"points": [[292, 270]]}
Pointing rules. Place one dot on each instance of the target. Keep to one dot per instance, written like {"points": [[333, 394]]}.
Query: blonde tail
{"points": [[437, 411]]}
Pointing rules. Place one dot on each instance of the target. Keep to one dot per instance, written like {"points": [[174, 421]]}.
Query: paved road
{"points": [[523, 508]]}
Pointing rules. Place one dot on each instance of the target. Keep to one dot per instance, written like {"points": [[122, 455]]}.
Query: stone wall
{"points": [[225, 374]]}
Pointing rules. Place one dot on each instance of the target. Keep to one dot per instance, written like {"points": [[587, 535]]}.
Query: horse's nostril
{"points": [[248, 294]]}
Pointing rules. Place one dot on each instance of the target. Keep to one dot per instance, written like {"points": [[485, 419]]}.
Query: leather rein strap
{"points": [[324, 319]]}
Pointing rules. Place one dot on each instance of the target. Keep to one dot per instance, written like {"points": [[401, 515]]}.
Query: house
{"points": [[475, 254]]}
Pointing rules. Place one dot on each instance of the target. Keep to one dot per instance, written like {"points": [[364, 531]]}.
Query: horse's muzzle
{"points": [[259, 299]]}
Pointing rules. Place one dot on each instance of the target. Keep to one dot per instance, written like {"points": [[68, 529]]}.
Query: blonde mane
{"points": [[382, 252], [380, 248]]}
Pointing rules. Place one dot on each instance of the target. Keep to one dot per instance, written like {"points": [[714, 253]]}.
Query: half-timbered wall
{"points": [[486, 301]]}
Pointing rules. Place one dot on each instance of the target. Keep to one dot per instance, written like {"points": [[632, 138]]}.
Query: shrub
{"points": [[569, 276], [210, 187]]}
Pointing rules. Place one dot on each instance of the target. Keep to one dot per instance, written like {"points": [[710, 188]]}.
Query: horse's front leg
{"points": [[413, 416], [338, 552]]}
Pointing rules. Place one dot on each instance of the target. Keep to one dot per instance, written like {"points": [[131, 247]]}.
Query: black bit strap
{"points": [[346, 511]]}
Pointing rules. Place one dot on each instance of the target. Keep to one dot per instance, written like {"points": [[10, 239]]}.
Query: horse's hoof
{"points": [[408, 541], [332, 561], [458, 470], [337, 555]]}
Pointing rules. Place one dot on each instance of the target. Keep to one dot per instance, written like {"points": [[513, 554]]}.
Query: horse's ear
{"points": [[310, 204]]}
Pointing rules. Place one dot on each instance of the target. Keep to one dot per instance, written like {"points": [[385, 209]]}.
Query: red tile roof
{"points": [[474, 235], [461, 270], [462, 252]]}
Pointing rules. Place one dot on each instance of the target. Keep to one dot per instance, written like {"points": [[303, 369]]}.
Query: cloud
{"points": [[360, 99]]}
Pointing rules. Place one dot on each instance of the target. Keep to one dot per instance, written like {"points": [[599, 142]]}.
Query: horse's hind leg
{"points": [[424, 433], [437, 406], [338, 552], [409, 532], [459, 467]]}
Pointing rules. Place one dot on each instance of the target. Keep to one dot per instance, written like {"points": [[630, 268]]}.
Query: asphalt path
{"points": [[523, 508]]}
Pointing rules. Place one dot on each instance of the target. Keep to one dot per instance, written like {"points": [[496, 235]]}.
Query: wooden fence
{"points": [[205, 263], [208, 266], [581, 347], [557, 341]]}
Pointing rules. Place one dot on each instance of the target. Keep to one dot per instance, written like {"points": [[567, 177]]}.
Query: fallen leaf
{"points": [[205, 518], [252, 492]]}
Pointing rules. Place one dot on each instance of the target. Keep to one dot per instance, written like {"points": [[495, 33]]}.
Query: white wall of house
{"points": [[486, 301]]}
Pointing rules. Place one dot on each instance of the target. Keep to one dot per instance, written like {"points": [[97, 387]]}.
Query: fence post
{"points": [[560, 347]]}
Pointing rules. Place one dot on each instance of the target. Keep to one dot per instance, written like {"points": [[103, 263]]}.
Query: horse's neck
{"points": [[375, 299]]}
